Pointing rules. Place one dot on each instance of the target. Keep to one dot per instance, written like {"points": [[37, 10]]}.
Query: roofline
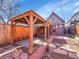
{"points": [[56, 15], [25, 13], [73, 16]]}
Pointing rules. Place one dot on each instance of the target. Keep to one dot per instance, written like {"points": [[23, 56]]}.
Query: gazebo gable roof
{"points": [[26, 14]]}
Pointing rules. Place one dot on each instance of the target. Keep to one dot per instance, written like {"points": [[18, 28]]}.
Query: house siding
{"points": [[57, 24], [74, 21]]}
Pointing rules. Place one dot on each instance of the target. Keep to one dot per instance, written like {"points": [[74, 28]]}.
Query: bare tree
{"points": [[8, 8]]}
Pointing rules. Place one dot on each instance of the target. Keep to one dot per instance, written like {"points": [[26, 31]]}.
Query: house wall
{"points": [[57, 24], [58, 29], [75, 18]]}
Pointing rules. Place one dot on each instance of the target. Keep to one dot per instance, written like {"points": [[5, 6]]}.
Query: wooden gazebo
{"points": [[29, 19]]}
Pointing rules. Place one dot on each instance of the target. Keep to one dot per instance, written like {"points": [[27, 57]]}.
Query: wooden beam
{"points": [[27, 14], [40, 18], [19, 16], [31, 34], [34, 20], [26, 20]]}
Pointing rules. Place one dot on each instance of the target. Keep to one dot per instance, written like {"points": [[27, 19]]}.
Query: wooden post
{"points": [[48, 31], [31, 34], [12, 33], [45, 32]]}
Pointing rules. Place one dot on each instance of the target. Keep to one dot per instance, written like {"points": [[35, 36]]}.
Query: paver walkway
{"points": [[58, 53], [39, 53]]}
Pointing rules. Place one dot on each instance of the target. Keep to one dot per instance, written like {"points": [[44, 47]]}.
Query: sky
{"points": [[63, 8]]}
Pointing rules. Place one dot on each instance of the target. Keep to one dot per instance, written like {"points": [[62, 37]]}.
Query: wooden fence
{"points": [[77, 28], [9, 34]]}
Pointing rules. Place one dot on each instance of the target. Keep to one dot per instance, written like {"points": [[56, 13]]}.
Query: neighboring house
{"points": [[57, 24], [73, 27]]}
